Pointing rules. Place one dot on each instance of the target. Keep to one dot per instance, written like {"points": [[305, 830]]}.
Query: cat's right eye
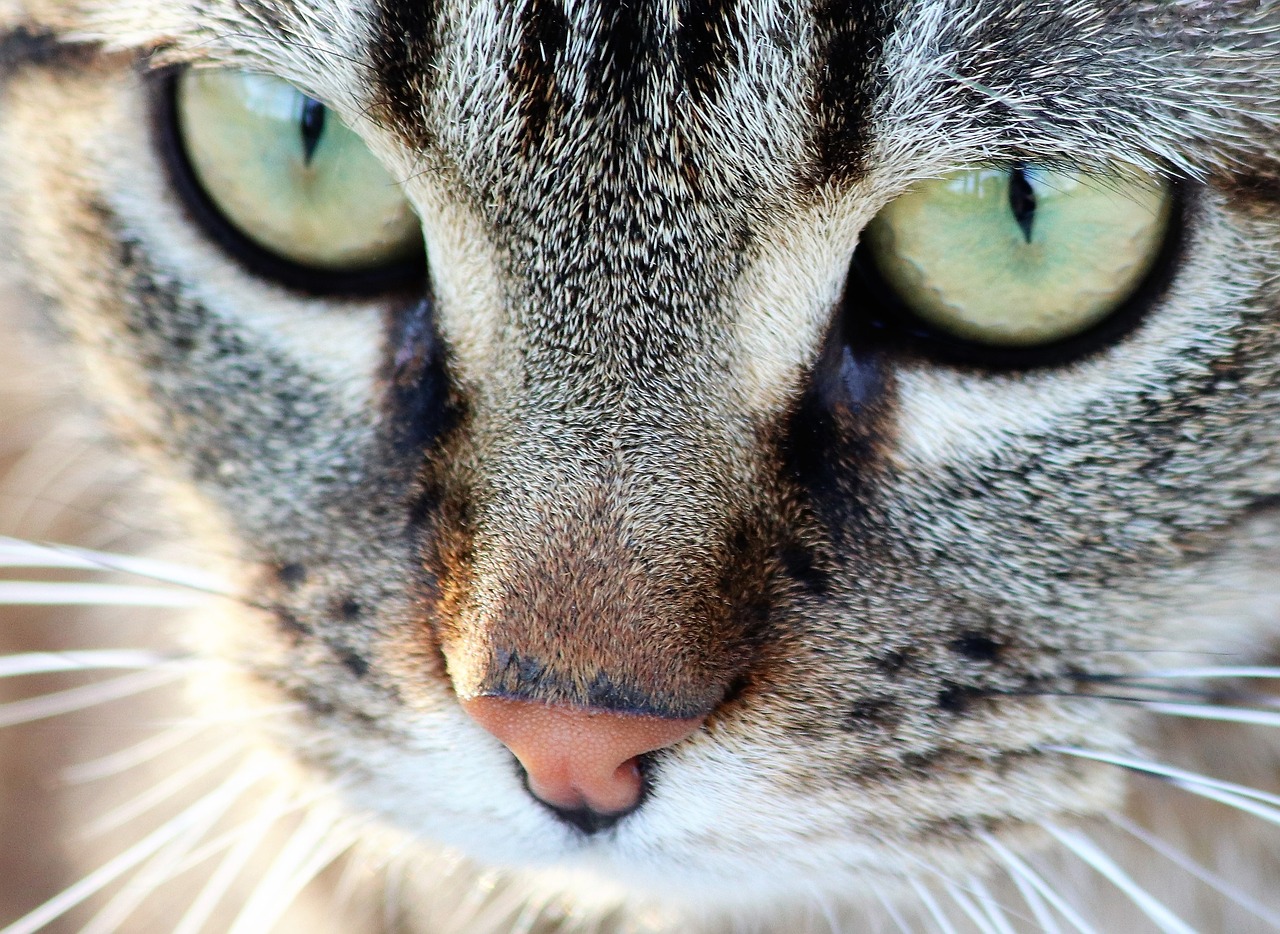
{"points": [[286, 187]]}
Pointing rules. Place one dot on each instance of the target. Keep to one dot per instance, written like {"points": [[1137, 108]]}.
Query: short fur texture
{"points": [[622, 453]]}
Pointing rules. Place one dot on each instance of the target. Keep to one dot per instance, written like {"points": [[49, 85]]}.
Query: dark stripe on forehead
{"points": [[624, 53], [707, 44], [403, 47], [544, 31], [850, 38]]}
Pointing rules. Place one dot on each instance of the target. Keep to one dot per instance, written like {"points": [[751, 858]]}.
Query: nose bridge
{"points": [[593, 575]]}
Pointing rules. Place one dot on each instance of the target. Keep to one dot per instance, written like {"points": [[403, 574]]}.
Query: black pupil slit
{"points": [[311, 124], [1022, 200]]}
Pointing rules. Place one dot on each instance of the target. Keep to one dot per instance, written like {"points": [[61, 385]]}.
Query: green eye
{"points": [[289, 177], [1020, 256]]}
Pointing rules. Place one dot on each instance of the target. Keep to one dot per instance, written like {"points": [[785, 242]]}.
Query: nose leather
{"points": [[578, 758]]}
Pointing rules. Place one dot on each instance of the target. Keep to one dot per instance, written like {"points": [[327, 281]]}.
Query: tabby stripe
{"points": [[544, 32], [404, 44], [707, 44], [31, 46], [619, 69], [851, 35]]}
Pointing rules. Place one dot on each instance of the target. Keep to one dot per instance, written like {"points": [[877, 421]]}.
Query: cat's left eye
{"points": [[287, 187], [1020, 257]]}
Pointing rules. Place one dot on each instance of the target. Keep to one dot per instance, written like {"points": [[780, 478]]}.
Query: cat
{"points": [[711, 465]]}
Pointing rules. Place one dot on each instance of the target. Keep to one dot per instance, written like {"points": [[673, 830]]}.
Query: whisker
{"points": [[1190, 866], [1212, 712], [104, 875], [1035, 901], [1087, 851], [971, 910], [990, 905], [1020, 868], [1199, 674], [241, 852], [153, 874], [77, 593], [318, 841], [20, 553], [163, 790], [86, 696], [1179, 776], [892, 911], [931, 905], [138, 754], [39, 663]]}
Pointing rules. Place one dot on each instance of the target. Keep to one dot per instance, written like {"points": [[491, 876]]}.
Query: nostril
{"points": [[582, 817], [578, 759]]}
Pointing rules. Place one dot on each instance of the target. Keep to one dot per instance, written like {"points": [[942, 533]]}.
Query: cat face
{"points": [[637, 438]]}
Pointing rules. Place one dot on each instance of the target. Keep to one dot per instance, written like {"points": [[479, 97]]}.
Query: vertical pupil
{"points": [[312, 127], [1022, 200]]}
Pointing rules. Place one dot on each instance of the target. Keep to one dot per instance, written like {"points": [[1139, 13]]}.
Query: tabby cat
{"points": [[764, 465]]}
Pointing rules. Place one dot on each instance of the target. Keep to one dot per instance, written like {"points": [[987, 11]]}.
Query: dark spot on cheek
{"points": [[957, 698], [348, 610], [893, 661], [869, 714], [292, 627], [353, 662], [976, 646], [292, 575]]}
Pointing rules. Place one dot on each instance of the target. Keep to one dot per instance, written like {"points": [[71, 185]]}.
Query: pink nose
{"points": [[578, 758]]}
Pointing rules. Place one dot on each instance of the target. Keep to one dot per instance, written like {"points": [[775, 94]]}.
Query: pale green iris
{"points": [[1020, 256], [290, 176]]}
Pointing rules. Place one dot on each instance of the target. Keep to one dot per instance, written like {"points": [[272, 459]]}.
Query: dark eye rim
{"points": [[400, 277], [874, 316]]}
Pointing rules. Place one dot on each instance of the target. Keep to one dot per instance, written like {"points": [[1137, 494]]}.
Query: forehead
{"points": [[764, 80]]}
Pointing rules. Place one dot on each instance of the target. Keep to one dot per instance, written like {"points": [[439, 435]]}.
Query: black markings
{"points": [[977, 646], [290, 625], [893, 661], [416, 400], [625, 43], [544, 31], [292, 574], [353, 662], [311, 125], [851, 37], [29, 46], [957, 698], [403, 46], [1022, 201], [707, 44], [349, 610], [870, 713]]}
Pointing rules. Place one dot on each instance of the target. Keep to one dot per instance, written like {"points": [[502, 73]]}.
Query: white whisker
{"points": [[155, 872], [1020, 868], [86, 696], [892, 911], [1214, 712], [315, 844], [18, 553], [1203, 674], [138, 754], [994, 910], [39, 663], [162, 791], [931, 905], [43, 593], [970, 909], [1190, 866], [1035, 901], [1084, 848], [1180, 776], [104, 875], [251, 837]]}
